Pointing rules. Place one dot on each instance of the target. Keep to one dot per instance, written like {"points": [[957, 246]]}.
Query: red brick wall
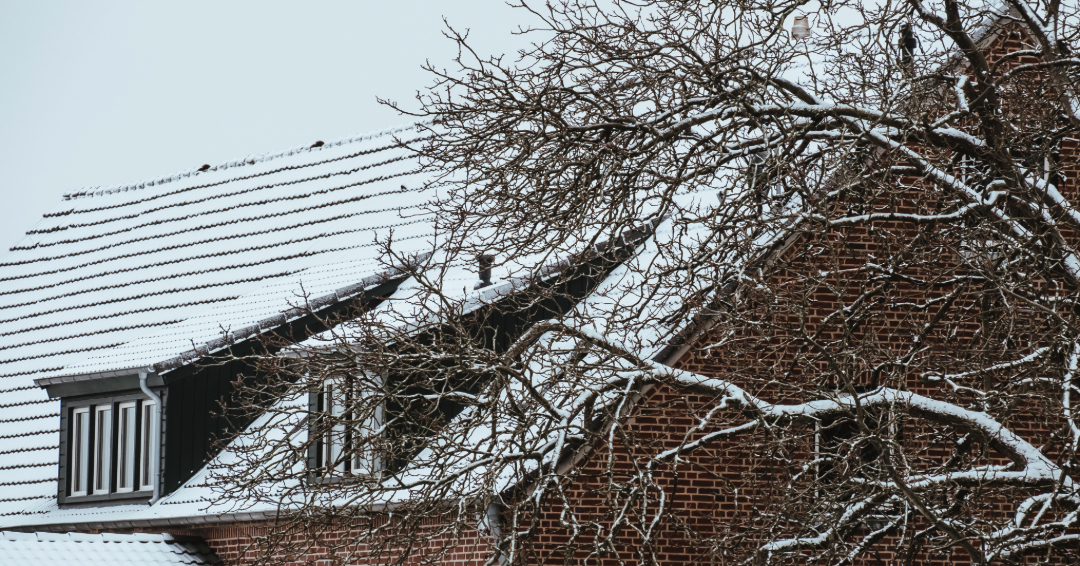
{"points": [[242, 543], [713, 493]]}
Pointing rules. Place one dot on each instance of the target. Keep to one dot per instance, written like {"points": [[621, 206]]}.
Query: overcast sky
{"points": [[103, 93]]}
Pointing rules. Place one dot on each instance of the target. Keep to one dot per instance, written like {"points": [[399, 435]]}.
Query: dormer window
{"points": [[108, 446], [347, 431]]}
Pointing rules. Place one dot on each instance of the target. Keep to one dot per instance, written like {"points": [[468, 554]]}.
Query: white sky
{"points": [[103, 93]]}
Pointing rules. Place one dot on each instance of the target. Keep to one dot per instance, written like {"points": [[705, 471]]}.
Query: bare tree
{"points": [[831, 313]]}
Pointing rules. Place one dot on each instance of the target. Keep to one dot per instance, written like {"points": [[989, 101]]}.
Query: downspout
{"points": [[494, 518], [155, 436]]}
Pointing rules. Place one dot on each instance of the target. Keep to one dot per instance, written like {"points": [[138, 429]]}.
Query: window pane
{"points": [[349, 441], [366, 457], [336, 435], [125, 447], [80, 440], [102, 449], [367, 424], [145, 446]]}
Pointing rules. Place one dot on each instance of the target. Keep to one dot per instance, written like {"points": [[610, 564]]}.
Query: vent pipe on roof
{"points": [[485, 261], [155, 436], [800, 29]]}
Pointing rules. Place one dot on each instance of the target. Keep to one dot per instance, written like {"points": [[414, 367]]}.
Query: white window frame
{"points": [[102, 452], [80, 449], [146, 449], [126, 443]]}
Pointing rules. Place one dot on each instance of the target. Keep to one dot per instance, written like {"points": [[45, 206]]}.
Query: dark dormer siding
{"points": [[498, 326], [194, 422]]}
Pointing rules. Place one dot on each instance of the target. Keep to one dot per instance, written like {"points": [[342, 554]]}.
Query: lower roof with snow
{"points": [[65, 549], [137, 275]]}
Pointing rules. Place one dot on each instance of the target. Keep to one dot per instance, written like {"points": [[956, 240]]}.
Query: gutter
{"points": [[155, 435], [175, 521], [157, 522]]}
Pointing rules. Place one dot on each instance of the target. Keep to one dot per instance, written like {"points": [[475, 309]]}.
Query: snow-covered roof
{"points": [[145, 275], [604, 311], [65, 549], [136, 275], [200, 499]]}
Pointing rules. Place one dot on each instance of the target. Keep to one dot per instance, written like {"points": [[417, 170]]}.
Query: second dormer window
{"points": [[347, 429]]}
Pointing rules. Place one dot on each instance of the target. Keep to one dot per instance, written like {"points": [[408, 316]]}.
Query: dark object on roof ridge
{"points": [[316, 144], [907, 44], [205, 167], [249, 160], [485, 262]]}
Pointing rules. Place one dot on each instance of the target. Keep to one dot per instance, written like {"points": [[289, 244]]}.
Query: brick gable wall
{"points": [[747, 489]]}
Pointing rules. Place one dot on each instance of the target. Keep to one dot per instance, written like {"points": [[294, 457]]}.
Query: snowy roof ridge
{"points": [[995, 12], [88, 192], [55, 214]]}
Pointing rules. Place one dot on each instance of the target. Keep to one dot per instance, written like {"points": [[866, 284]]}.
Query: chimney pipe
{"points": [[485, 261], [800, 29]]}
